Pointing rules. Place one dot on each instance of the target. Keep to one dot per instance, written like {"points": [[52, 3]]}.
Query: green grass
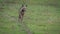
{"points": [[40, 19]]}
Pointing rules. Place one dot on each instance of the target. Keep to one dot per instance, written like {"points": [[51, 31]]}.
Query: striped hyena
{"points": [[21, 12]]}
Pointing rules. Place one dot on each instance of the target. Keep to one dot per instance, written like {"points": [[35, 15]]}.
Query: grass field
{"points": [[40, 18]]}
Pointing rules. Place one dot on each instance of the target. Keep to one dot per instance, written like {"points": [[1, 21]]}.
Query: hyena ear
{"points": [[22, 5], [26, 5]]}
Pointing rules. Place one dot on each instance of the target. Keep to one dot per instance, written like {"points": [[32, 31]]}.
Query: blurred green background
{"points": [[42, 16]]}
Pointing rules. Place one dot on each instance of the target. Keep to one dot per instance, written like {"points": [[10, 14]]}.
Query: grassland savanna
{"points": [[42, 17]]}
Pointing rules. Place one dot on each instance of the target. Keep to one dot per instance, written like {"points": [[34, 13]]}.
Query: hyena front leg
{"points": [[20, 18]]}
